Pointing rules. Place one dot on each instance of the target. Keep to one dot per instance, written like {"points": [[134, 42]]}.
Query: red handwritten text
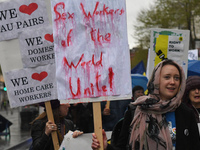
{"points": [[89, 91], [78, 93], [88, 63], [72, 64], [63, 43], [111, 75], [106, 11], [62, 16], [100, 38]]}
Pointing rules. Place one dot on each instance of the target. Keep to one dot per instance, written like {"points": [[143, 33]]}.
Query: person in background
{"points": [[82, 116], [4, 105], [191, 95], [137, 91], [41, 127], [117, 109], [112, 114], [161, 121]]}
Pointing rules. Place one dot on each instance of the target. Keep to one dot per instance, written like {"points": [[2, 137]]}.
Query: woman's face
{"points": [[169, 82], [64, 108], [194, 96]]}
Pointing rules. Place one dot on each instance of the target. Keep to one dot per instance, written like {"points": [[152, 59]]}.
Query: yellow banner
{"points": [[161, 48]]}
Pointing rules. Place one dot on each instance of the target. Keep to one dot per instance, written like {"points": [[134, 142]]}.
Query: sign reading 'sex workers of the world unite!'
{"points": [[17, 15], [91, 50]]}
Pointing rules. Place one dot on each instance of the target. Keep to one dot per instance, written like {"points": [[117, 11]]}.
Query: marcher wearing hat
{"points": [[42, 127], [191, 96]]}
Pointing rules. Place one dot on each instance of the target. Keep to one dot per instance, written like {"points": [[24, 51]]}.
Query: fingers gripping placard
{"points": [[50, 117]]}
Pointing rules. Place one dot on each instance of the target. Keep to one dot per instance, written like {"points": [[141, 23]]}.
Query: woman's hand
{"points": [[96, 143], [50, 126], [77, 133]]}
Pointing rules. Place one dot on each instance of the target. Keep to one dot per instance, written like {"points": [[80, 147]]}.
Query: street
{"points": [[19, 139]]}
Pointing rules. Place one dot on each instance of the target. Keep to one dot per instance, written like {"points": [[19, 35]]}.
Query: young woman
{"points": [[160, 121], [42, 127], [191, 96]]}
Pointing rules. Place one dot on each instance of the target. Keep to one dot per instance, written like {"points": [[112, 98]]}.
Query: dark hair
{"points": [[171, 62], [54, 104], [136, 88], [192, 82]]}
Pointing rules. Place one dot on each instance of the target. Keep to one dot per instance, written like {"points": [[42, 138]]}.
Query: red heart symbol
{"points": [[28, 9], [49, 37], [39, 77]]}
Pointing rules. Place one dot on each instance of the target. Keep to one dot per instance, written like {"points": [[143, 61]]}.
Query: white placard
{"points": [[31, 85], [171, 44], [11, 58], [37, 47], [84, 140], [18, 15], [91, 48], [193, 54]]}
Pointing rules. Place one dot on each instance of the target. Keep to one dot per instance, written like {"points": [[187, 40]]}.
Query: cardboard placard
{"points": [[91, 48], [18, 15]]}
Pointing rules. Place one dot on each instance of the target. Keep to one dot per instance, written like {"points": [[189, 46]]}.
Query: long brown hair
{"points": [[43, 116]]}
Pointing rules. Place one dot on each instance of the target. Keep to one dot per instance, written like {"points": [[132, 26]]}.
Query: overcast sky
{"points": [[132, 9]]}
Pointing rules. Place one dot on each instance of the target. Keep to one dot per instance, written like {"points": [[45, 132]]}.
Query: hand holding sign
{"points": [[92, 54]]}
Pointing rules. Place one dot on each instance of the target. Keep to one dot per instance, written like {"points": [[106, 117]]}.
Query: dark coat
{"points": [[187, 134], [82, 116], [117, 110], [40, 140]]}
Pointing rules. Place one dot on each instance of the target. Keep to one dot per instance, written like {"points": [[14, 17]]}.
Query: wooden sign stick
{"points": [[50, 117], [98, 122]]}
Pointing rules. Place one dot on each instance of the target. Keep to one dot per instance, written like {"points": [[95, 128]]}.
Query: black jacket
{"points": [[187, 134], [40, 140]]}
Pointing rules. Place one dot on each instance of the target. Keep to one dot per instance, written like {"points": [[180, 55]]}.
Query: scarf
{"points": [[149, 126]]}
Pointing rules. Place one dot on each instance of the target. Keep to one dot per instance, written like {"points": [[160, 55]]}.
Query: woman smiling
{"points": [[160, 121]]}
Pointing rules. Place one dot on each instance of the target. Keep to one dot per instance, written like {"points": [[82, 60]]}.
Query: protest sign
{"points": [[17, 15], [37, 47], [91, 49], [193, 54], [171, 44], [31, 85], [70, 143], [11, 58]]}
